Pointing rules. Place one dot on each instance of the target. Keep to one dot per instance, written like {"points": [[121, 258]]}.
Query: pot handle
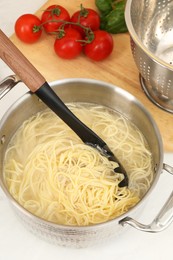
{"points": [[162, 220], [7, 84]]}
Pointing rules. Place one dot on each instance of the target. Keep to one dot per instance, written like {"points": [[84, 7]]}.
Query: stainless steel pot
{"points": [[86, 90]]}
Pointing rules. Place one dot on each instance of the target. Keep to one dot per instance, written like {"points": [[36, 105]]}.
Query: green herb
{"points": [[112, 15], [104, 6]]}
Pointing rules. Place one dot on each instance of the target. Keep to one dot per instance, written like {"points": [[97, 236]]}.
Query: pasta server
{"points": [[12, 56]]}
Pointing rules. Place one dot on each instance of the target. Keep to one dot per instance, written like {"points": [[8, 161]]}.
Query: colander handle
{"points": [[7, 84], [162, 220]]}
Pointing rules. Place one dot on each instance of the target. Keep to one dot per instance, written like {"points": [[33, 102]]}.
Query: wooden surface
{"points": [[119, 69]]}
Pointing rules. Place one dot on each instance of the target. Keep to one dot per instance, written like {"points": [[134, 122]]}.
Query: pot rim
{"points": [[109, 222]]}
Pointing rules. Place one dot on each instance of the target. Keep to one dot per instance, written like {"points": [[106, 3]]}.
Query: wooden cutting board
{"points": [[119, 69]]}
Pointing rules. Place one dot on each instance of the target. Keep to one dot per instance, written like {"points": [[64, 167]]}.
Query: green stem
{"points": [[88, 32]]}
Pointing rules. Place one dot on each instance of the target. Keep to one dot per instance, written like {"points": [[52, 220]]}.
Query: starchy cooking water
{"points": [[55, 176]]}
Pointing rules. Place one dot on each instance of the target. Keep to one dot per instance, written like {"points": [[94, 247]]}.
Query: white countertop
{"points": [[18, 244]]}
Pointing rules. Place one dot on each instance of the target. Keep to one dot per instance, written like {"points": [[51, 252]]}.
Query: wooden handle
{"points": [[13, 57]]}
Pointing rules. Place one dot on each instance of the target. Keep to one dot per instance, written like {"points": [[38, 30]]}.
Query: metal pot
{"points": [[86, 90]]}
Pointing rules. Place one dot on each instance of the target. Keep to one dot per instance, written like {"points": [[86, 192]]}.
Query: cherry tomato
{"points": [[27, 28], [86, 17], [100, 47], [69, 45], [54, 12]]}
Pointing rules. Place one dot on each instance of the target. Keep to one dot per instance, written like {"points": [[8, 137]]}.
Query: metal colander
{"points": [[150, 25]]}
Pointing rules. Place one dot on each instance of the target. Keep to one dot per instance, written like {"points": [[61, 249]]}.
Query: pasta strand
{"points": [[52, 174]]}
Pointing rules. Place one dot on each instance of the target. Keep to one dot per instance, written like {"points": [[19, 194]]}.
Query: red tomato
{"points": [[86, 17], [69, 45], [27, 28], [54, 12], [100, 47]]}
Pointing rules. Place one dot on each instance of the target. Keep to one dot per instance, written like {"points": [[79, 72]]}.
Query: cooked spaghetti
{"points": [[52, 174]]}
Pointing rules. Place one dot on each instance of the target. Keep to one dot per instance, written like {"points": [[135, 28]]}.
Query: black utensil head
{"points": [[105, 151]]}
